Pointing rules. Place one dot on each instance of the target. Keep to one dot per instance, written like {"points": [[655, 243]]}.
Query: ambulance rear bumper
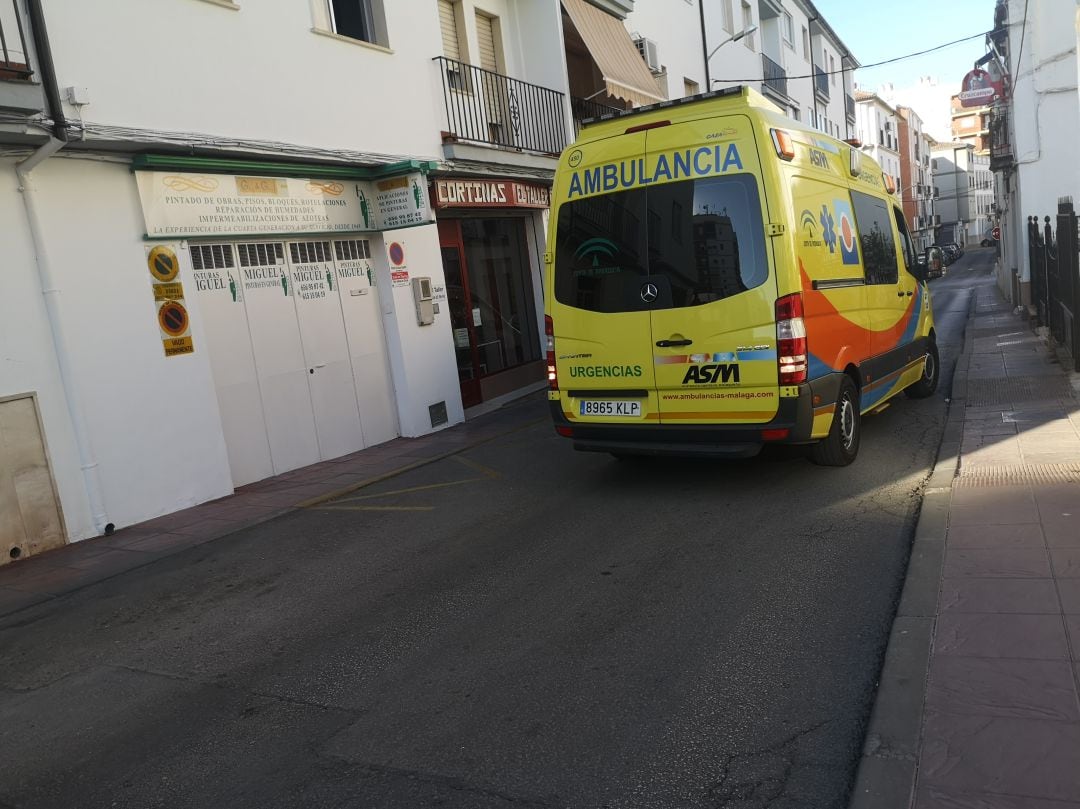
{"points": [[795, 415]]}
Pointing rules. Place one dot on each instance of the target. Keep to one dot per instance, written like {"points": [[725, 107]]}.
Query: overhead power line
{"points": [[873, 64]]}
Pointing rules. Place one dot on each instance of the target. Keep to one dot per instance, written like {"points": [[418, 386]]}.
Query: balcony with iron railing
{"points": [[1001, 150], [774, 78], [19, 91], [14, 61], [583, 109], [484, 107], [821, 83]]}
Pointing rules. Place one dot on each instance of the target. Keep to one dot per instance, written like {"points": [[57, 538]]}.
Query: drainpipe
{"points": [[704, 45], [813, 69], [49, 289]]}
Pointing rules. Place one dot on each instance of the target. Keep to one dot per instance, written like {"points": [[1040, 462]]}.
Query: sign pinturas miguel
{"points": [[179, 204]]}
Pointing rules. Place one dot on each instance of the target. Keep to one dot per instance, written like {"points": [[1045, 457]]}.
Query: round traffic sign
{"points": [[996, 233], [397, 254], [163, 263], [173, 318]]}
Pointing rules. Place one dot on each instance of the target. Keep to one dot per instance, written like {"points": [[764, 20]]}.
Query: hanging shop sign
{"points": [[180, 204], [450, 193], [173, 320], [979, 89]]}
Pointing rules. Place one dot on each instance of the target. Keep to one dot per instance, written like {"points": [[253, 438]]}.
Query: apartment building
{"points": [[963, 193], [878, 128], [791, 55], [970, 125], [916, 187]]}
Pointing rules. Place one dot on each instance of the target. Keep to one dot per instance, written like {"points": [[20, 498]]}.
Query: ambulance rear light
{"points": [[565, 432], [890, 184], [791, 351], [779, 434], [643, 127], [784, 145], [549, 339]]}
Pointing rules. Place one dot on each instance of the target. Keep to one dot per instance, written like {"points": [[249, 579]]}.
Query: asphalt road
{"points": [[518, 626]]}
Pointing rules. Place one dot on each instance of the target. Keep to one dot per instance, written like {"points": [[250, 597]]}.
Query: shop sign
{"points": [[979, 89], [183, 204], [490, 194], [174, 323]]}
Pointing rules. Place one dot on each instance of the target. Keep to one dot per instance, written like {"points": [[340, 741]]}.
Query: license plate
{"points": [[621, 408]]}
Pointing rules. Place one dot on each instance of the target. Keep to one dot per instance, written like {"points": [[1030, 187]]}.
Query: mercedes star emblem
{"points": [[649, 293]]}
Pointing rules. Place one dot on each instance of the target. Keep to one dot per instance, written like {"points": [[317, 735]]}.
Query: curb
{"points": [[885, 778], [41, 598]]}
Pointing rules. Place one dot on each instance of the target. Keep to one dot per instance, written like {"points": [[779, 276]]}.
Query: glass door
{"points": [[458, 299]]}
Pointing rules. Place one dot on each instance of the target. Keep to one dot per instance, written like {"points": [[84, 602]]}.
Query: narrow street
{"points": [[517, 625]]}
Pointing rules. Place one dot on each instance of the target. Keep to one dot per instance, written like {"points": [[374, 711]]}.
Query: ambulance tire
{"points": [[928, 382], [841, 445]]}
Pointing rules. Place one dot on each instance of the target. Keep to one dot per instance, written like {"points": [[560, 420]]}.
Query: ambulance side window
{"points": [[905, 239], [873, 220]]}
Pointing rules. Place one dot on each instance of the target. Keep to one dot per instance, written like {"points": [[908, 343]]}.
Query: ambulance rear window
{"points": [[698, 241]]}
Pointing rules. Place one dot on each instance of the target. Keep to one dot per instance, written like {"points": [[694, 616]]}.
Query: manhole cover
{"points": [[1018, 475], [986, 392]]}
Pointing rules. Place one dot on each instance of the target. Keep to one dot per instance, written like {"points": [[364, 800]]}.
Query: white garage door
{"points": [[297, 351]]}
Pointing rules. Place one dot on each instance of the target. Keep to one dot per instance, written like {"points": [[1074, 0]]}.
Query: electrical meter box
{"points": [[425, 311]]}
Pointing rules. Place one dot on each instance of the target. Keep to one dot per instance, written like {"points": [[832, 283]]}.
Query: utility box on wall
{"points": [[425, 311]]}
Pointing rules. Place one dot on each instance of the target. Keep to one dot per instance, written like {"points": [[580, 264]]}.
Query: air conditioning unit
{"points": [[647, 49]]}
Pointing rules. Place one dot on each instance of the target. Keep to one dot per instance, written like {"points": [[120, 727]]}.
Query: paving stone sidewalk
{"points": [[1001, 722], [50, 575], [978, 704]]}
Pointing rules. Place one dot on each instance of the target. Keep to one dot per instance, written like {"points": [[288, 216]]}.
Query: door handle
{"points": [[320, 365], [910, 293], [900, 294], [672, 343]]}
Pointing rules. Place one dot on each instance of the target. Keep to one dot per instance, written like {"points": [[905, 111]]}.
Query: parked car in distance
{"points": [[934, 259], [988, 242], [951, 251]]}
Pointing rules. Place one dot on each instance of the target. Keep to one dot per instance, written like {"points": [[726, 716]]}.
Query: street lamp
{"points": [[733, 38]]}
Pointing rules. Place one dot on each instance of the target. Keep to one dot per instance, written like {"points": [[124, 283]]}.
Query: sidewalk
{"points": [[52, 574], [978, 700]]}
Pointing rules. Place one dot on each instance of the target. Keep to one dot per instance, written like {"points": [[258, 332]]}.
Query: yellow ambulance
{"points": [[720, 277]]}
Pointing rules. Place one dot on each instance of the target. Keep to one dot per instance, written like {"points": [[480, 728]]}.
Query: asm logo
{"points": [[706, 374]]}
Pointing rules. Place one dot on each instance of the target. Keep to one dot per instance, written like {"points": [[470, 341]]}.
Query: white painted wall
{"points": [[422, 360], [261, 71], [1046, 109], [538, 35], [675, 26], [736, 61], [27, 356], [154, 421]]}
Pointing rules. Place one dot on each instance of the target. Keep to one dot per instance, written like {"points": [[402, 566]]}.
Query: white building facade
{"points": [[218, 270], [794, 58], [963, 193], [1032, 131], [878, 129]]}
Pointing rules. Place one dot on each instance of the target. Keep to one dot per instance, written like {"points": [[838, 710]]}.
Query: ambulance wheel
{"points": [[841, 445], [928, 382]]}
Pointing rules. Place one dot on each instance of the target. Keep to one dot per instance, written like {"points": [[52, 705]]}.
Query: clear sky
{"points": [[875, 32]]}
